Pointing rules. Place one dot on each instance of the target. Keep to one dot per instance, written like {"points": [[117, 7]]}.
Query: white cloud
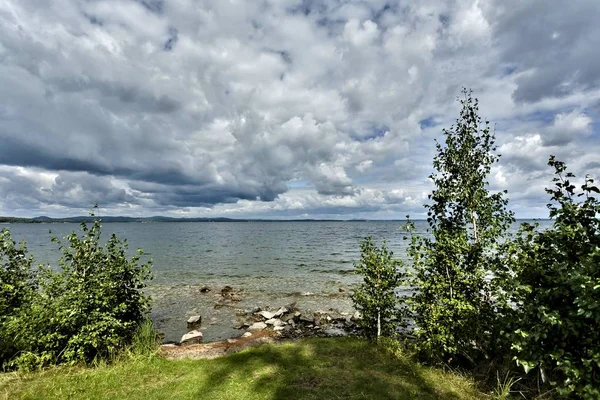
{"points": [[214, 107]]}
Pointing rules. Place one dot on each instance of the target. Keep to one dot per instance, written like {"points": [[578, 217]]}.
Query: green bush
{"points": [[17, 287], [375, 297], [90, 308], [453, 304], [557, 326]]}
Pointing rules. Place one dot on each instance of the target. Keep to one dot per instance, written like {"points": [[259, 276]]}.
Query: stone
{"points": [[247, 334], [278, 328], [275, 322], [306, 318], [258, 326], [194, 320], [335, 332], [235, 297], [204, 289], [280, 312], [192, 337], [267, 314], [356, 316], [231, 340], [226, 290]]}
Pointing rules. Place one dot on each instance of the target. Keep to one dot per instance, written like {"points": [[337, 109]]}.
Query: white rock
{"points": [[267, 314], [278, 328], [280, 312], [247, 334], [192, 337], [275, 322], [194, 320], [258, 326]]}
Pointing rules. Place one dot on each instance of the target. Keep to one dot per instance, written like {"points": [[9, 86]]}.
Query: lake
{"points": [[271, 263]]}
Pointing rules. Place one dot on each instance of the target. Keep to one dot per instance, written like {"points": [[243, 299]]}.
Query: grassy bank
{"points": [[308, 369]]}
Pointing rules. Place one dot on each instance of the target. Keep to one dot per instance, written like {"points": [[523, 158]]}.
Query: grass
{"points": [[341, 368]]}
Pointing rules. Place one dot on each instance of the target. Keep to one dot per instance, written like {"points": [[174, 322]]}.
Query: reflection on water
{"points": [[272, 263]]}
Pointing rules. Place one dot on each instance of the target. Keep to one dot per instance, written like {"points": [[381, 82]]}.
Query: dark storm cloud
{"points": [[74, 190]]}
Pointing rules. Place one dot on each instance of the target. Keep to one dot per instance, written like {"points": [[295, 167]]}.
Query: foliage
{"points": [[453, 305], [145, 341], [375, 297], [90, 308], [17, 286], [558, 290]]}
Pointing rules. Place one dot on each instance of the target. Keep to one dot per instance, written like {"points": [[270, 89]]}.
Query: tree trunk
{"points": [[378, 325]]}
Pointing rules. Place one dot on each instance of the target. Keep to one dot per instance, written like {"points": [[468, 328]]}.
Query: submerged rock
{"points": [[204, 289], [226, 290], [192, 337]]}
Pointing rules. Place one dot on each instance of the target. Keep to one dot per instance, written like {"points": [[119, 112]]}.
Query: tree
{"points": [[453, 301], [375, 297], [557, 279]]}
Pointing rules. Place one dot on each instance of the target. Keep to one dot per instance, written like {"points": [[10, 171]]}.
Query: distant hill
{"points": [[79, 219]]}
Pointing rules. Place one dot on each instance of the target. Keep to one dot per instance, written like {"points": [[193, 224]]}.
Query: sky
{"points": [[285, 108]]}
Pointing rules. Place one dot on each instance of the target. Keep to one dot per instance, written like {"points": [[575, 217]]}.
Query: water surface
{"points": [[270, 263]]}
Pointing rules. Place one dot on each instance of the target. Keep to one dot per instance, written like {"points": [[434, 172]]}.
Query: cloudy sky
{"points": [[284, 108]]}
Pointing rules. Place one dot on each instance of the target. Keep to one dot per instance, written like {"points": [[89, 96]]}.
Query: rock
{"points": [[335, 332], [192, 337], [235, 297], [287, 317], [278, 328], [231, 340], [258, 326], [356, 316], [267, 314], [204, 289], [280, 312], [194, 321], [226, 290], [305, 318], [275, 322], [247, 334], [341, 290]]}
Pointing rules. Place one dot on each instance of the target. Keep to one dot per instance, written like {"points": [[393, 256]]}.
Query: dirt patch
{"points": [[217, 349]]}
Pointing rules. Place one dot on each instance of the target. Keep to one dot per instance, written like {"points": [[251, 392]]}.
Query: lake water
{"points": [[270, 263]]}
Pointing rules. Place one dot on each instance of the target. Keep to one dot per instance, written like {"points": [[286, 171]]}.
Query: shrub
{"points": [[17, 286], [90, 308], [375, 297], [558, 294], [452, 304]]}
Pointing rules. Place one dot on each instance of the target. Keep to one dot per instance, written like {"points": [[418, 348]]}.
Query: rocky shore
{"points": [[259, 325]]}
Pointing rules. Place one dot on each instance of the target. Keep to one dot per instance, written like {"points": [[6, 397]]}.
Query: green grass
{"points": [[345, 368]]}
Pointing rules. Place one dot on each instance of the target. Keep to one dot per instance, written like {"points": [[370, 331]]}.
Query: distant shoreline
{"points": [[79, 219]]}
